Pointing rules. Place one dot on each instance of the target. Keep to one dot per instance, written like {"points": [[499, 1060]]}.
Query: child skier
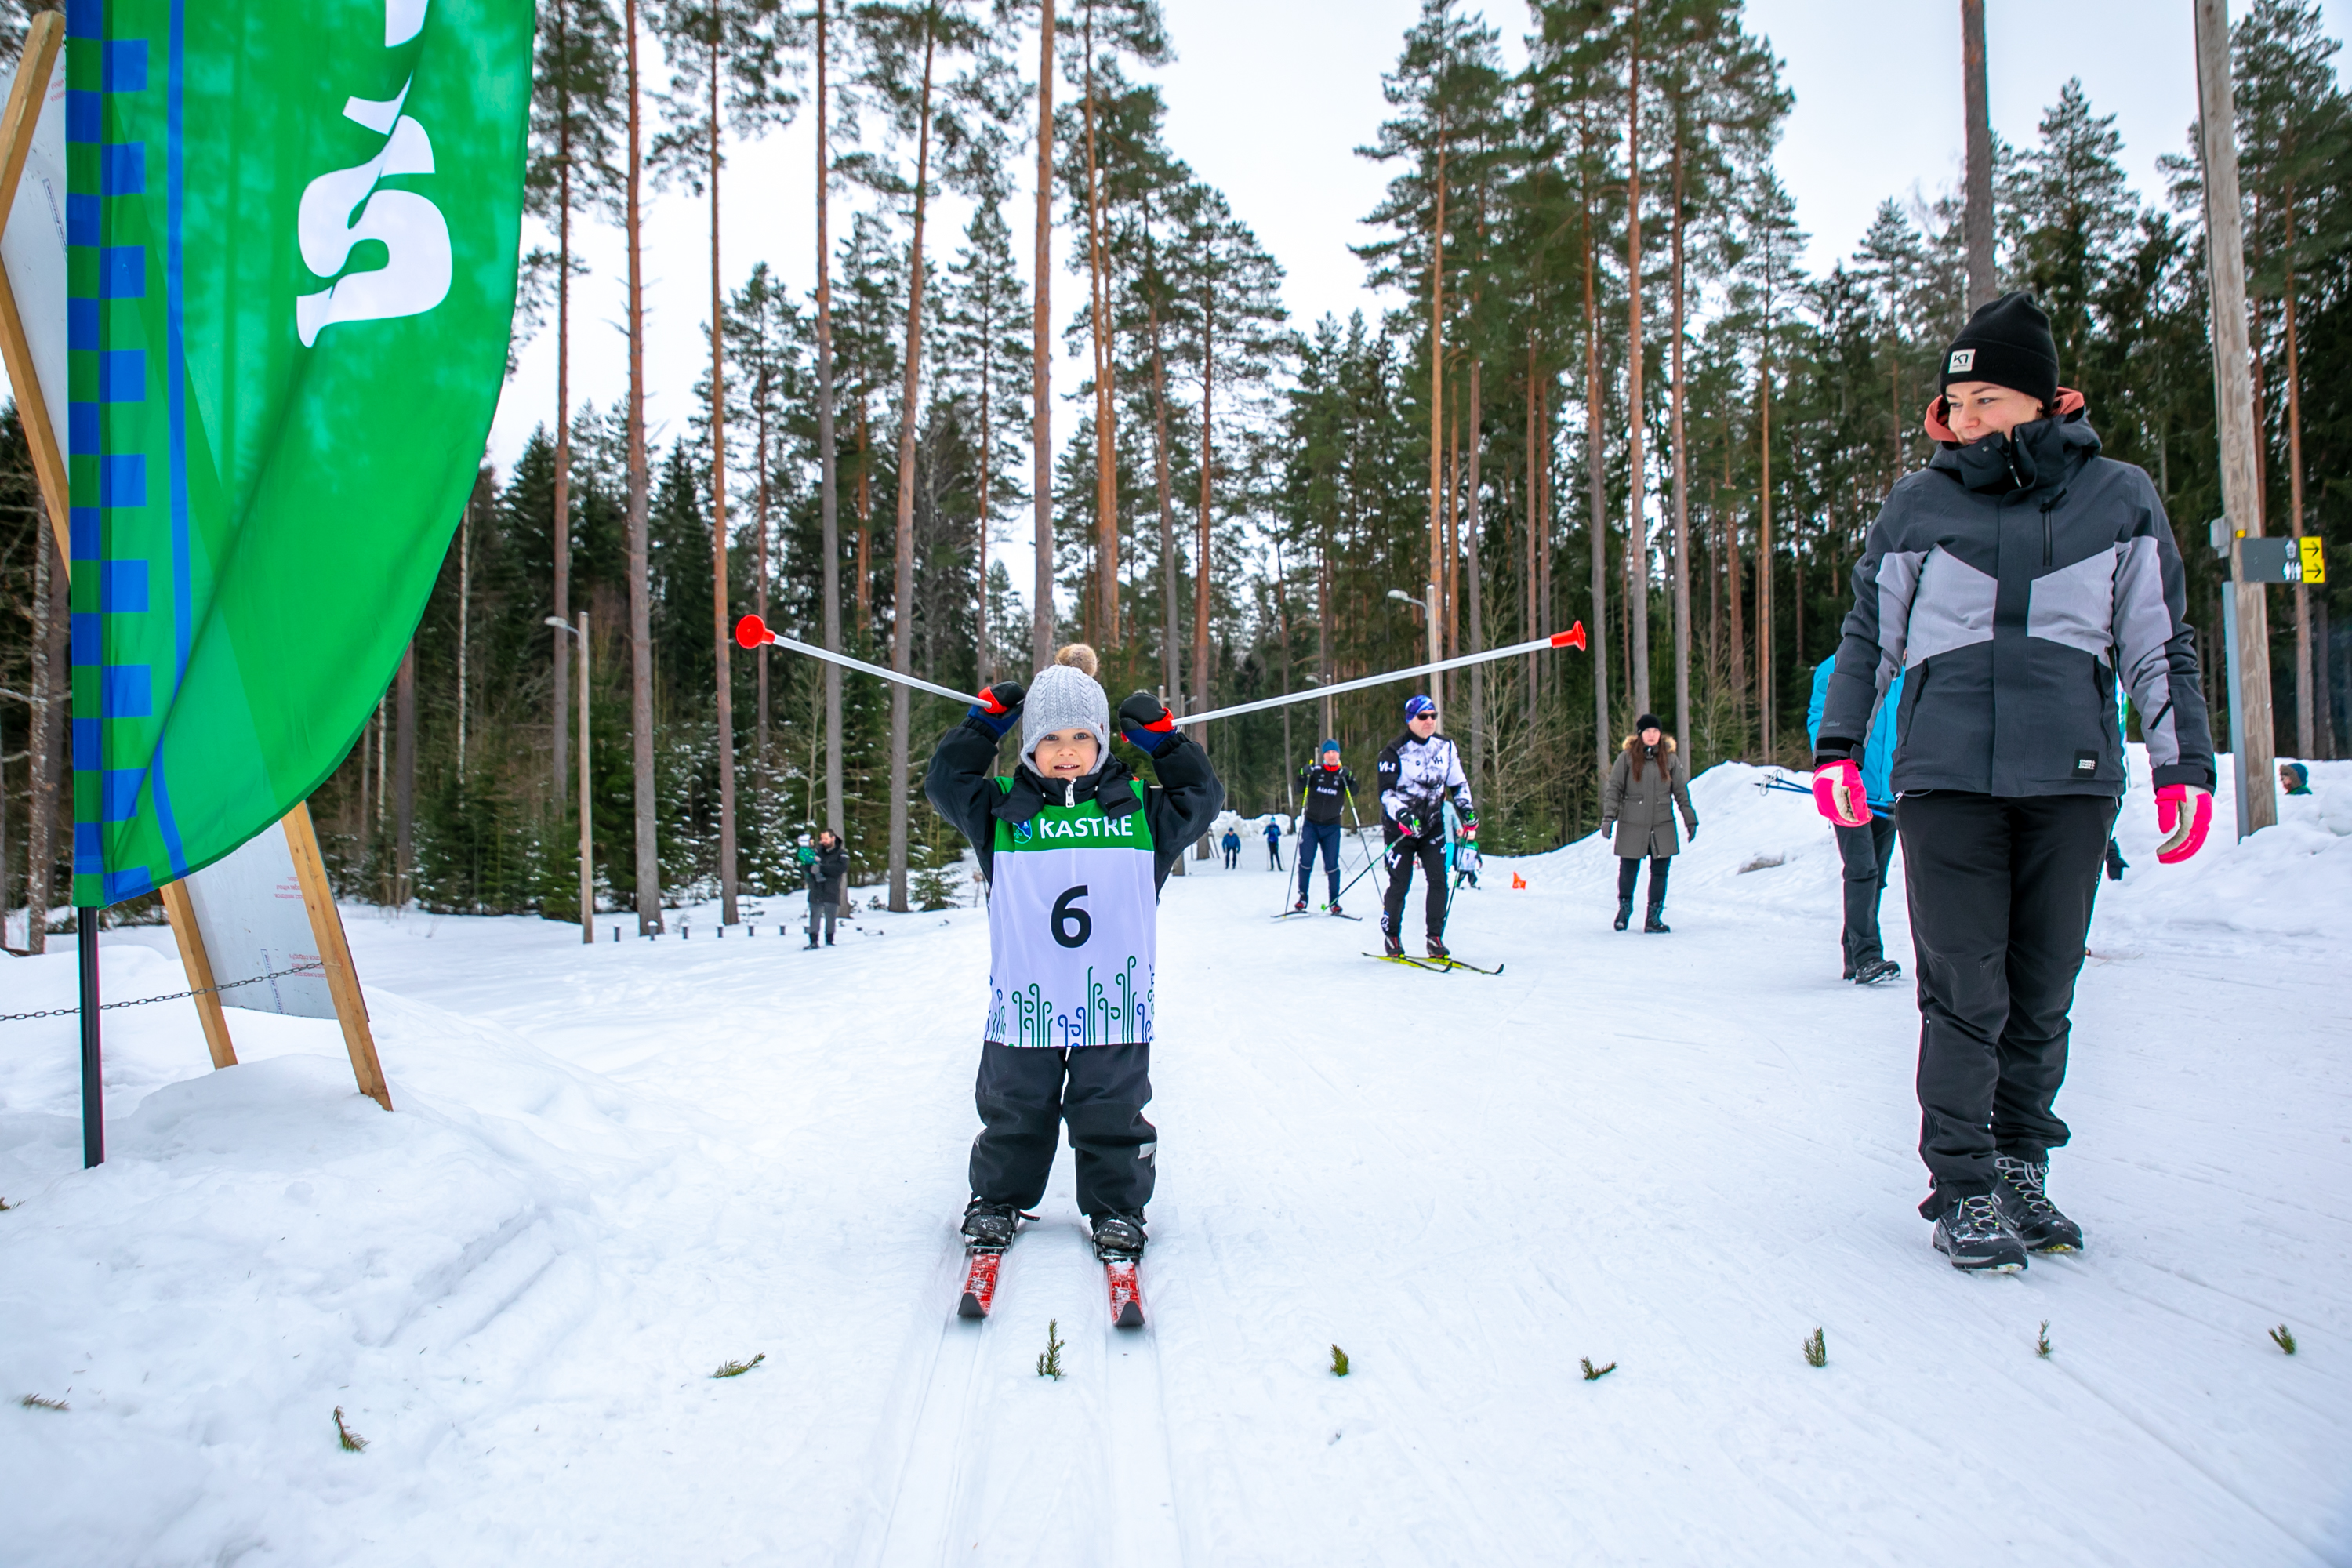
{"points": [[1075, 850], [2014, 577]]}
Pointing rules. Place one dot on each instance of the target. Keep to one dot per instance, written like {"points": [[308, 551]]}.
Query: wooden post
{"points": [[335, 953], [42, 40], [198, 963], [1975, 220], [2242, 500]]}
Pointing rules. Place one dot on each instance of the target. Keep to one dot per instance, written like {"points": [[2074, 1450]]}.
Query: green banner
{"points": [[291, 236]]}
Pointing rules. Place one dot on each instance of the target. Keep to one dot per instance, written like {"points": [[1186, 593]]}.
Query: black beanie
{"points": [[1647, 722], [2008, 344]]}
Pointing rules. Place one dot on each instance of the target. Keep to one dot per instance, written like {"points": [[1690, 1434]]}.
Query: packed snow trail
{"points": [[617, 1167]]}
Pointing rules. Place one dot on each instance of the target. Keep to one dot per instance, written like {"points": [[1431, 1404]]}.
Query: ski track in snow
{"points": [[614, 1167]]}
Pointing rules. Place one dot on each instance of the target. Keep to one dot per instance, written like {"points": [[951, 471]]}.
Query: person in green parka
{"points": [[1645, 784]]}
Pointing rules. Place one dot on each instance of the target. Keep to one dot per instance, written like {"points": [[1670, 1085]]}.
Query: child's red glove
{"points": [[2183, 813]]}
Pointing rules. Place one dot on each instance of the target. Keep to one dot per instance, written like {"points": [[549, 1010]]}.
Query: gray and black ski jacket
{"points": [[2011, 582]]}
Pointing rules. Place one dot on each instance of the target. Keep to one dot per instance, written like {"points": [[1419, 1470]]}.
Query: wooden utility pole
{"points": [[828, 465], [1976, 221], [1040, 384], [2242, 501]]}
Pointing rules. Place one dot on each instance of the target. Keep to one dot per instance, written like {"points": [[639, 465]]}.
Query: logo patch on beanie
{"points": [[1962, 359]]}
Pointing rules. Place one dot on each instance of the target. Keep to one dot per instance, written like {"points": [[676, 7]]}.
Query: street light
{"points": [[587, 857], [1404, 598]]}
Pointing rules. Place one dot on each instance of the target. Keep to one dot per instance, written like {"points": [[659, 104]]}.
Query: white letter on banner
{"points": [[415, 276], [403, 20]]}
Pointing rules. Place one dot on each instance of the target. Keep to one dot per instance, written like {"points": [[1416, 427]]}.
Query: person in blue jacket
{"points": [[1868, 850], [1273, 844]]}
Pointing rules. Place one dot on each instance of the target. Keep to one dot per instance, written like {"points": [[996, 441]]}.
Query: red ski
{"points": [[1125, 1292], [978, 1281]]}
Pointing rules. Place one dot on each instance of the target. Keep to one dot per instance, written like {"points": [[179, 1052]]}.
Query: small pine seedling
{"points": [[2283, 1337], [1595, 1373], [5, 1205], [2042, 1340], [1817, 1349], [1339, 1362], [738, 1368], [352, 1441], [1050, 1363], [42, 1402]]}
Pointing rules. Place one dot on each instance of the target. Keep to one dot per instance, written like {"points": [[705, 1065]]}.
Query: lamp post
{"points": [[587, 857]]}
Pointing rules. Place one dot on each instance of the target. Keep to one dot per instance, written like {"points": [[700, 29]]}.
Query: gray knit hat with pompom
{"points": [[1065, 695]]}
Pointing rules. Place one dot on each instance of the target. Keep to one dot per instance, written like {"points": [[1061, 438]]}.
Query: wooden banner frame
{"points": [[334, 954]]}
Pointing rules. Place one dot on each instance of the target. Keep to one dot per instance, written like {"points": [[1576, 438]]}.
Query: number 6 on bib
{"points": [[1072, 926]]}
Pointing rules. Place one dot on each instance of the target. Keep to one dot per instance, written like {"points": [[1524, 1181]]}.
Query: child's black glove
{"points": [[999, 706], [1146, 722]]}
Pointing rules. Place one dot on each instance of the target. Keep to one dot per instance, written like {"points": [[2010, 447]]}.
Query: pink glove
{"points": [[2183, 829], [1837, 792]]}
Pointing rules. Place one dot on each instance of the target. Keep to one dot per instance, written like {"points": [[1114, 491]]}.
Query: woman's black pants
{"points": [[1629, 870]]}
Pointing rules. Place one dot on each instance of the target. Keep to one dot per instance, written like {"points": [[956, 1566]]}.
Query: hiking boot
{"points": [[1653, 924], [1877, 970], [2021, 1195], [989, 1227], [1119, 1235], [1972, 1234], [1625, 913]]}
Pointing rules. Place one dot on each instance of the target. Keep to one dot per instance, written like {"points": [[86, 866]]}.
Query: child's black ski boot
{"points": [[2023, 1195], [1299, 908], [989, 1227], [1437, 951], [1118, 1235], [1390, 946], [1972, 1234]]}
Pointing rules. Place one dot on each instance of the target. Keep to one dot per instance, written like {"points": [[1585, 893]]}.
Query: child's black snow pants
{"points": [[1026, 1092]]}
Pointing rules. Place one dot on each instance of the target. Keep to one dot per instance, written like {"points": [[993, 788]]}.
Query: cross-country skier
{"points": [[1325, 787], [1075, 850], [1232, 848], [1419, 772], [1645, 784], [2011, 579], [1868, 851], [1273, 844]]}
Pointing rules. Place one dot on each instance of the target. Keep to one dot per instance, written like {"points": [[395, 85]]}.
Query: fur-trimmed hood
{"points": [[1666, 743]]}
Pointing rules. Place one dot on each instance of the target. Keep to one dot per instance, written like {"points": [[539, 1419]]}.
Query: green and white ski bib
{"points": [[1073, 927]]}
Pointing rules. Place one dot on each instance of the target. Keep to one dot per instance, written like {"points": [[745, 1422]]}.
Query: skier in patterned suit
{"points": [[1419, 772], [1076, 849]]}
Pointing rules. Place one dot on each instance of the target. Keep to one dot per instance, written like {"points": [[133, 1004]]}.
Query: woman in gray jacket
{"points": [[1647, 782]]}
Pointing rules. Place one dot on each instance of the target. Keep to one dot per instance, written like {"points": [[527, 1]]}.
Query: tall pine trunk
{"points": [[45, 726], [1682, 482], [1478, 585], [828, 464], [1637, 487], [1041, 405], [902, 643], [1204, 571], [403, 775], [1764, 562], [1597, 499], [721, 642], [1104, 615], [2306, 710], [1164, 481], [641, 632], [1434, 610]]}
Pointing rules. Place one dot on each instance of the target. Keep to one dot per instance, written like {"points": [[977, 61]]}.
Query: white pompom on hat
{"points": [[1065, 695]]}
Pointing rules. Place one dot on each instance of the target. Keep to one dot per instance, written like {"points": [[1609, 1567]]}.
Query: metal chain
{"points": [[175, 997]]}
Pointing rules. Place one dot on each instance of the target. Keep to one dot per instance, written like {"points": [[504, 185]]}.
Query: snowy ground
{"points": [[613, 1168]]}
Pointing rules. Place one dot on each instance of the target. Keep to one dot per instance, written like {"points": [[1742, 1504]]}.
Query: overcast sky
{"points": [[1269, 99]]}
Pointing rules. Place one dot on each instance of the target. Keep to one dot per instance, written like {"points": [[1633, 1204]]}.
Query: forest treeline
{"points": [[1611, 392]]}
